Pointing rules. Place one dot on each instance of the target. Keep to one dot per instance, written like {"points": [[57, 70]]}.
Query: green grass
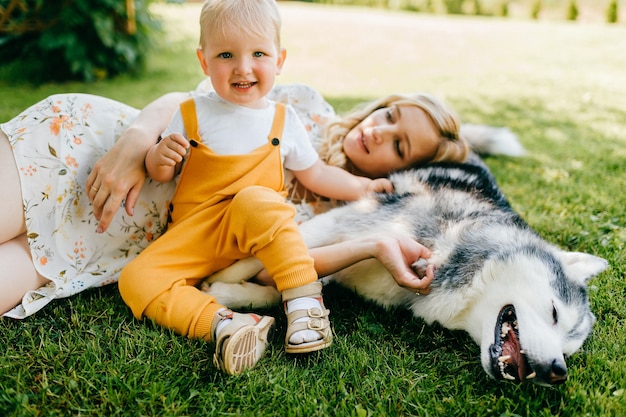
{"points": [[559, 86]]}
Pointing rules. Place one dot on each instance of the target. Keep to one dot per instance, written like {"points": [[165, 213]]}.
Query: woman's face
{"points": [[390, 139]]}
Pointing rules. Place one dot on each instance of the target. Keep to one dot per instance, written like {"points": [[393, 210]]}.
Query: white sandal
{"points": [[317, 319], [242, 342]]}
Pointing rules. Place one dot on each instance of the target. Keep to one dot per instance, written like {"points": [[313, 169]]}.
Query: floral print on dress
{"points": [[56, 142]]}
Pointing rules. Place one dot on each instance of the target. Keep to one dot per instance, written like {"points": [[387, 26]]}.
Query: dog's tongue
{"points": [[512, 348]]}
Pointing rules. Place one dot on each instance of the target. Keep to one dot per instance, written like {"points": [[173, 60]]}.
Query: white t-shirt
{"points": [[231, 129]]}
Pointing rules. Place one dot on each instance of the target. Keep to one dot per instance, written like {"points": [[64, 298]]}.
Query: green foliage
{"points": [[572, 10], [454, 6], [478, 10], [536, 9], [605, 10], [504, 8], [612, 12], [76, 39]]}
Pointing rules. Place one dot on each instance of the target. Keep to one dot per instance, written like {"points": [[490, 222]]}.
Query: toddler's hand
{"points": [[380, 185], [171, 150]]}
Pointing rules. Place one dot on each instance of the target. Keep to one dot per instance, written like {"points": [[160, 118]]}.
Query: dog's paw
{"points": [[242, 295], [420, 266]]}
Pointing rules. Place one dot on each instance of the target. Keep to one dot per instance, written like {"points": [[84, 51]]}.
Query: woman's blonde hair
{"points": [[452, 147], [257, 18]]}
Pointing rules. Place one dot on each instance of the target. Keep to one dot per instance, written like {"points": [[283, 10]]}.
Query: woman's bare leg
{"points": [[12, 218], [17, 272]]}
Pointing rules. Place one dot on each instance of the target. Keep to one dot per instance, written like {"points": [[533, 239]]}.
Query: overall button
{"points": [[193, 143], [275, 141]]}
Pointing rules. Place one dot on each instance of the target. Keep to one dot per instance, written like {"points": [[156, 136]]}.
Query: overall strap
{"points": [[276, 133], [190, 119]]}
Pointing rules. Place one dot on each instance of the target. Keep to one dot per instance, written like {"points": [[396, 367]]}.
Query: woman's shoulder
{"points": [[310, 106], [299, 96]]}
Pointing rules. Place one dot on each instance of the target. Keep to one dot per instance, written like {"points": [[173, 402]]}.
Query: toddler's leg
{"points": [[152, 285], [240, 340], [307, 319], [264, 226]]}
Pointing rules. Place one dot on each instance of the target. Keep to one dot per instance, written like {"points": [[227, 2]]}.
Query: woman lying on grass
{"points": [[56, 240]]}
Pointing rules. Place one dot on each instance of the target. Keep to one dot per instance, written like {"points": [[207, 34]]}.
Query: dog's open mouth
{"points": [[508, 360]]}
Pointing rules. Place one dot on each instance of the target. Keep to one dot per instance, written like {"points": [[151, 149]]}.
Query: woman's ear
{"points": [[282, 55], [203, 64]]}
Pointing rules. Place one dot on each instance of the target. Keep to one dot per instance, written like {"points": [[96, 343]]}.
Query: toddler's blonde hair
{"points": [[258, 18]]}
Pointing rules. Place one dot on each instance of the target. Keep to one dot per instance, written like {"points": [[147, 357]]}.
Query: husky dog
{"points": [[521, 299]]}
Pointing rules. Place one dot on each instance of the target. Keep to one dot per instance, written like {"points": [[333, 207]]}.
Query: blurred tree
{"points": [[75, 39], [612, 12], [454, 6], [504, 8], [572, 10], [536, 9], [478, 10]]}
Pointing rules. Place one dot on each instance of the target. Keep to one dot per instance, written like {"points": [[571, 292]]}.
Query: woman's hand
{"points": [[120, 173], [399, 254]]}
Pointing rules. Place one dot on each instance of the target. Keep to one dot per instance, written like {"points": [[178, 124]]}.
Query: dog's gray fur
{"points": [[523, 300]]}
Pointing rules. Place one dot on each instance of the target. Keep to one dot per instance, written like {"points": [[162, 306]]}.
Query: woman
{"points": [[57, 241]]}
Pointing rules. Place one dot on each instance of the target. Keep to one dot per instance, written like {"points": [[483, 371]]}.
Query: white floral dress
{"points": [[56, 142]]}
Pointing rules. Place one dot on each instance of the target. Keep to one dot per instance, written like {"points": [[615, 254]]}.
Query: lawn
{"points": [[559, 85]]}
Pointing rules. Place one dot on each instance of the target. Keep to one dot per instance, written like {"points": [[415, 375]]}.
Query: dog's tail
{"points": [[491, 140]]}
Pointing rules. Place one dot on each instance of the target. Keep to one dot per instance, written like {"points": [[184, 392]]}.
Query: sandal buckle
{"points": [[317, 324], [225, 314]]}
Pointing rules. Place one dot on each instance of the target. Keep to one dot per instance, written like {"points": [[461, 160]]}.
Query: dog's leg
{"points": [[241, 270], [230, 287], [242, 295]]}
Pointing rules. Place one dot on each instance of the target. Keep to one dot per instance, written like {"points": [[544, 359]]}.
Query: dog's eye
{"points": [[555, 315]]}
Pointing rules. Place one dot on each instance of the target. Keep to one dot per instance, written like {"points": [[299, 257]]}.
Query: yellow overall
{"points": [[226, 207]]}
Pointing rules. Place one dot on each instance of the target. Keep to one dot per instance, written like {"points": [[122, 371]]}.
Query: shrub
{"points": [[454, 6], [478, 10], [76, 39], [611, 12], [536, 9], [504, 8], [572, 10]]}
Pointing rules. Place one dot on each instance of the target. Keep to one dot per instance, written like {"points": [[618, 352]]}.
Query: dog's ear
{"points": [[581, 267]]}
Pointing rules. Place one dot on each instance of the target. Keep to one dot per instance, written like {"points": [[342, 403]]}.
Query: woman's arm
{"points": [[396, 253], [120, 173]]}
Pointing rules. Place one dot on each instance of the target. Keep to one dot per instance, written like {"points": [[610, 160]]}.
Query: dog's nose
{"points": [[558, 372]]}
